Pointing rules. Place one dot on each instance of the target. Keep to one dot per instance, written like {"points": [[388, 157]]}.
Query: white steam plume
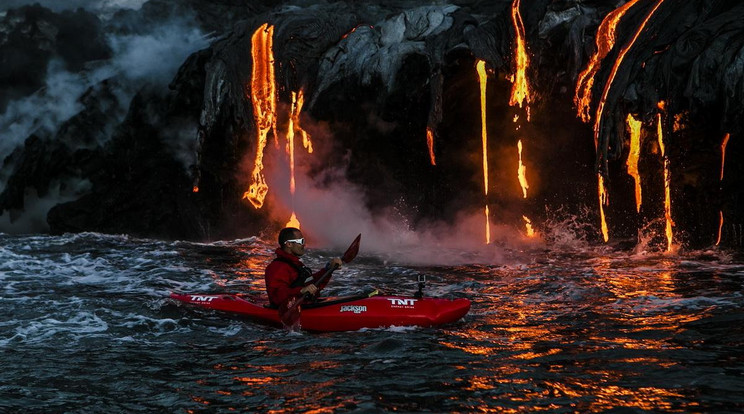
{"points": [[332, 212], [152, 56], [156, 56], [102, 7]]}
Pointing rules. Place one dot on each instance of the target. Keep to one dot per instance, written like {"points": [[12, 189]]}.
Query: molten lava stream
{"points": [[600, 107], [520, 94], [520, 89], [634, 154], [430, 145], [723, 163], [603, 201], [482, 80], [293, 127], [605, 41], [263, 97], [522, 171], [667, 183], [528, 226]]}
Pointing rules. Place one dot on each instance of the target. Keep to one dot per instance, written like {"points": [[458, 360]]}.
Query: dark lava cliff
{"points": [[132, 147]]}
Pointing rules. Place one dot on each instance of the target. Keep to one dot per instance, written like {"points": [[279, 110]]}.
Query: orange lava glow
{"points": [[528, 226], [290, 152], [522, 171], [293, 222], [638, 298], [667, 185], [351, 31], [634, 154], [483, 80], [430, 144], [723, 163], [600, 107], [293, 128], [520, 93], [195, 189], [263, 97], [616, 67], [298, 100], [723, 152], [605, 41], [603, 201]]}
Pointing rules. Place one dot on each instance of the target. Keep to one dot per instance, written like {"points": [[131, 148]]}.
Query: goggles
{"points": [[298, 241]]}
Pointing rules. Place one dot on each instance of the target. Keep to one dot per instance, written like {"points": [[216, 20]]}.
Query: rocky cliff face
{"points": [[130, 151]]}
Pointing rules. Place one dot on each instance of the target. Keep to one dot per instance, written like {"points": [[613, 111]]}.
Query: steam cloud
{"points": [[332, 211], [151, 56], [98, 6]]}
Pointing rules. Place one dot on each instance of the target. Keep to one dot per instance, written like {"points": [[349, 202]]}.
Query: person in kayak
{"points": [[286, 276]]}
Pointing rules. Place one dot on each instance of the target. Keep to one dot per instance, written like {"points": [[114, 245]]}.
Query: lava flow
{"points": [[520, 94], [603, 195], [430, 144], [293, 128], [522, 171], [520, 89], [667, 182], [723, 163], [263, 96], [634, 154], [483, 79], [605, 41]]}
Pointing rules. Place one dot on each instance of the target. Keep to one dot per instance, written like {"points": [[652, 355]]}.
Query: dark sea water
{"points": [[85, 327]]}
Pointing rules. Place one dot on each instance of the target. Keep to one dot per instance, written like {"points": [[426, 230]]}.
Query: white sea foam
{"points": [[45, 328]]}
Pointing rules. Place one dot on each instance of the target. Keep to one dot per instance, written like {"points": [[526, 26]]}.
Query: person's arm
{"points": [[335, 261], [279, 277]]}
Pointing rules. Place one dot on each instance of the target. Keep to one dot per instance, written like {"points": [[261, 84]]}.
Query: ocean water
{"points": [[86, 326]]}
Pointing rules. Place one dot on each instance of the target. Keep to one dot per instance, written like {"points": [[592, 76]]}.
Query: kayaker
{"points": [[286, 276]]}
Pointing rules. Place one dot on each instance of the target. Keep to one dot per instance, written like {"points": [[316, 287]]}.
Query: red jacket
{"points": [[282, 278]]}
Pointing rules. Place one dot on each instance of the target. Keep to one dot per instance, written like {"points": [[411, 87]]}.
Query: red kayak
{"points": [[341, 313]]}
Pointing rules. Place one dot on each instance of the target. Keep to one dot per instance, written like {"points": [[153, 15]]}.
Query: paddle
{"points": [[289, 313]]}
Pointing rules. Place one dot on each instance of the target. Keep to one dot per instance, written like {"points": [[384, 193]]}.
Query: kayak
{"points": [[333, 314]]}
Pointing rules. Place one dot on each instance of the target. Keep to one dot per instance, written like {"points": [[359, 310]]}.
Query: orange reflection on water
{"points": [[533, 355], [598, 397], [255, 381], [250, 271]]}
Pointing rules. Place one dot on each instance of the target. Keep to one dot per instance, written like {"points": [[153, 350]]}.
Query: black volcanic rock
{"points": [[377, 75], [32, 35]]}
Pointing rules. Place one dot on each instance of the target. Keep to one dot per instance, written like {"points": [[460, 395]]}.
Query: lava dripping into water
{"points": [[263, 97], [604, 200], [634, 154], [667, 182], [603, 194], [482, 80], [520, 93], [293, 128], [528, 226], [723, 163]]}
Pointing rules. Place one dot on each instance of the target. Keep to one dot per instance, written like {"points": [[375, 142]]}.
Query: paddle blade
{"points": [[352, 251], [289, 313]]}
